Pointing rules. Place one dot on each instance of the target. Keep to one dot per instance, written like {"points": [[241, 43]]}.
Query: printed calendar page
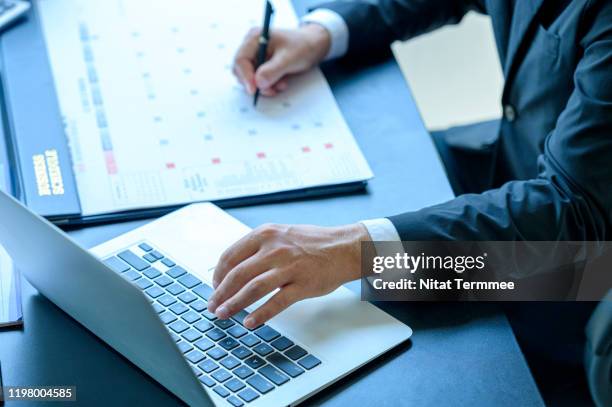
{"points": [[154, 116]]}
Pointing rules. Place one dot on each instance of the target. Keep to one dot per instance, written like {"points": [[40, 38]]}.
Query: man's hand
{"points": [[300, 261], [289, 52]]}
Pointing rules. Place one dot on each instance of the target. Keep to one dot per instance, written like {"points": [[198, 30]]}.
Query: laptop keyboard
{"points": [[237, 363]]}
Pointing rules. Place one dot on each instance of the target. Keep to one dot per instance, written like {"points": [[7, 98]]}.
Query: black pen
{"points": [[264, 37]]}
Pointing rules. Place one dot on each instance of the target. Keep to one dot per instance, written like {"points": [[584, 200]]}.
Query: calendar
{"points": [[154, 116]]}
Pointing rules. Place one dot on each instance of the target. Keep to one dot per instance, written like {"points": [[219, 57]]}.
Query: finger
{"points": [[245, 72], [273, 70], [244, 60], [234, 255], [237, 278], [280, 301], [254, 290], [281, 86], [270, 92]]}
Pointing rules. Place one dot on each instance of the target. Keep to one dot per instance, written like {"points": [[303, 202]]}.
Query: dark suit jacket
{"points": [[553, 170]]}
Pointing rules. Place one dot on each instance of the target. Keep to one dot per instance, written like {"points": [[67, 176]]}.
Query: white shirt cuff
{"points": [[337, 28], [381, 230]]}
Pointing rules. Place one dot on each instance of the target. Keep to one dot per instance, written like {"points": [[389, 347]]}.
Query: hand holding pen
{"points": [[288, 52]]}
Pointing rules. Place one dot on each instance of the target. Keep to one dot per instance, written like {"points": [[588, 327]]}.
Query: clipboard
{"points": [[33, 131]]}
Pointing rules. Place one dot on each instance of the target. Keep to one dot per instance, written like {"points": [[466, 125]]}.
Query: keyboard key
{"points": [[240, 316], [203, 326], [221, 375], [228, 343], [274, 375], [217, 353], [175, 337], [179, 326], [221, 391], [250, 340], [248, 395], [192, 335], [152, 273], [230, 362], [195, 356], [154, 292], [131, 275], [168, 263], [187, 297], [207, 381], [208, 366], [266, 333], [263, 349], [191, 317], [164, 281], [178, 308], [241, 352], [199, 305], [235, 401], [167, 317], [166, 300], [189, 280], [145, 247], [260, 384], [254, 362], [235, 385], [133, 260], [116, 265], [216, 334], [285, 364], [224, 323], [309, 362], [144, 283], [209, 315], [204, 344], [296, 352], [158, 308], [176, 272], [204, 291], [282, 343], [175, 289], [149, 257], [185, 346], [157, 255], [195, 370], [243, 372], [237, 331]]}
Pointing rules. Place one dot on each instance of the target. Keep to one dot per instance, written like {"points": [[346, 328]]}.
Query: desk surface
{"points": [[460, 354]]}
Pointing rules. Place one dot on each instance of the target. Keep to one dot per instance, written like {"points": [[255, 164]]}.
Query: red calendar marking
{"points": [[216, 160], [261, 155], [170, 166], [111, 164], [306, 149], [329, 146]]}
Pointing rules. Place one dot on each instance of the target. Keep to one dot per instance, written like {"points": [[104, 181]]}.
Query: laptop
{"points": [[144, 293]]}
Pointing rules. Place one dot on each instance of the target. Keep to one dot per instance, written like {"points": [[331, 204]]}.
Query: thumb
{"points": [[272, 71]]}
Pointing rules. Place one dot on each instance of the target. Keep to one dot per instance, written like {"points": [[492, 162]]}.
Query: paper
{"points": [[154, 116], [10, 292]]}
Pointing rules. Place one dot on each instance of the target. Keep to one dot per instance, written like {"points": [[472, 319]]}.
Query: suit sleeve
{"points": [[374, 26], [571, 199]]}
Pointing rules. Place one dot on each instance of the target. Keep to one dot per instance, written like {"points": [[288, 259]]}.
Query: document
{"points": [[154, 116]]}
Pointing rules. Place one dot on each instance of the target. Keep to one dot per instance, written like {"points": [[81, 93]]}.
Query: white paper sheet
{"points": [[10, 292], [155, 117]]}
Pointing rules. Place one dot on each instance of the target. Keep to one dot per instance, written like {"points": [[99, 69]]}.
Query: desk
{"points": [[460, 354]]}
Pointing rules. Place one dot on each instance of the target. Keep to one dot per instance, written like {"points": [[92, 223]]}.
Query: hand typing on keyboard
{"points": [[302, 261]]}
